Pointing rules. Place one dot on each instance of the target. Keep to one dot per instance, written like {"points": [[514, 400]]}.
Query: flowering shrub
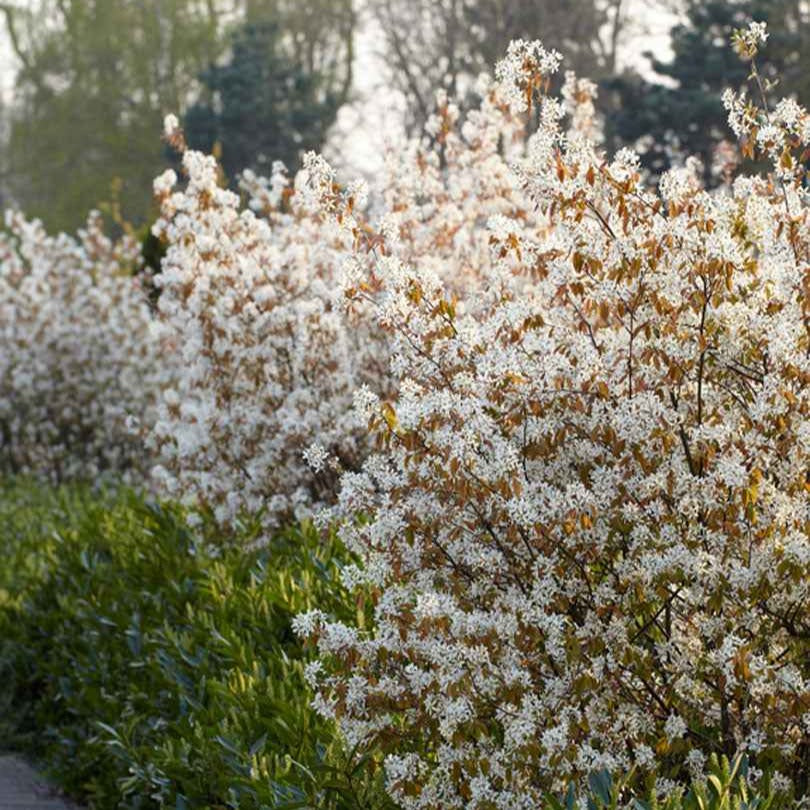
{"points": [[441, 190], [269, 361], [584, 526], [80, 362], [262, 415], [561, 417]]}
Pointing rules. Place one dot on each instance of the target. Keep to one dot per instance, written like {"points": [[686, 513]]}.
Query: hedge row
{"points": [[148, 672]]}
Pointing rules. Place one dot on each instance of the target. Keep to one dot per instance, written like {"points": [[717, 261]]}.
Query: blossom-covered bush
{"points": [[269, 360], [255, 296], [440, 190], [584, 526], [80, 363]]}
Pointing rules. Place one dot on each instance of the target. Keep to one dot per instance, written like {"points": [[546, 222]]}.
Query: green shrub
{"points": [[148, 671], [29, 517]]}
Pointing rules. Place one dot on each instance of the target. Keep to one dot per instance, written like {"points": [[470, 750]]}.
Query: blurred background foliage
{"points": [[263, 80], [686, 116], [96, 77]]}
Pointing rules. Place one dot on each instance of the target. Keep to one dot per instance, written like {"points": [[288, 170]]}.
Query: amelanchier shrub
{"points": [[272, 357], [585, 520], [80, 361], [269, 360], [566, 413]]}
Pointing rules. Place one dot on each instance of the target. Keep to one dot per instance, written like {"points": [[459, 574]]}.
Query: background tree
{"points": [[95, 79], [318, 33], [288, 73], [431, 44], [685, 115]]}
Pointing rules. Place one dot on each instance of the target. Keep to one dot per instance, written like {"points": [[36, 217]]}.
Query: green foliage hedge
{"points": [[147, 672]]}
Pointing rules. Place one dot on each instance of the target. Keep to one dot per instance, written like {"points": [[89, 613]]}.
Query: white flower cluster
{"points": [[278, 365], [80, 363], [747, 41], [780, 135], [579, 96], [524, 71], [269, 360], [585, 520]]}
